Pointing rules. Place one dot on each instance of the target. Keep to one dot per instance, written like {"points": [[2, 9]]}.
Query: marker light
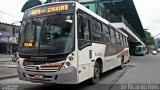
{"points": [[28, 44]]}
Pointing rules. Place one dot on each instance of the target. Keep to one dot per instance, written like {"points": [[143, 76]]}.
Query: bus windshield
{"points": [[138, 49], [47, 35]]}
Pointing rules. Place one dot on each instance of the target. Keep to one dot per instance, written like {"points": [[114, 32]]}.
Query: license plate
{"points": [[38, 76]]}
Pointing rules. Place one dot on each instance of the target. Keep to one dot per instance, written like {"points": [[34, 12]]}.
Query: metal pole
{"points": [[96, 6], [13, 29]]}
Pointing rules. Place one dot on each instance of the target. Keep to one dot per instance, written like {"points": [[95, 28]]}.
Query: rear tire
{"points": [[122, 64], [96, 75], [128, 61]]}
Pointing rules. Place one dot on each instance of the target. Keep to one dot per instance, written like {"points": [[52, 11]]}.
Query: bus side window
{"points": [[123, 44], [113, 38], [106, 33], [126, 42], [96, 29], [117, 38], [121, 40], [84, 37]]}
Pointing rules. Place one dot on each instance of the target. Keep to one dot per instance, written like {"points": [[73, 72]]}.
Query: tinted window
{"points": [[121, 40], [96, 30], [126, 42], [112, 33], [117, 38], [106, 34]]}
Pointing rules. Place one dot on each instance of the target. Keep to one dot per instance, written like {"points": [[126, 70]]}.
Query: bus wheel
{"points": [[96, 75], [122, 63]]}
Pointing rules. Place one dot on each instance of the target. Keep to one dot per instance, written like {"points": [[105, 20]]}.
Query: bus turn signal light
{"points": [[70, 58]]}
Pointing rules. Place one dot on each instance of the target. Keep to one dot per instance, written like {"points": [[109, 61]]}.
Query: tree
{"points": [[149, 38], [30, 4]]}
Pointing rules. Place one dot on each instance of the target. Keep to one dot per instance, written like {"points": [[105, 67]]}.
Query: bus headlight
{"points": [[69, 61], [66, 65]]}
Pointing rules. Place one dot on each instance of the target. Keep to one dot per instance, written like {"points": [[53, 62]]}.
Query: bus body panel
{"points": [[87, 58]]}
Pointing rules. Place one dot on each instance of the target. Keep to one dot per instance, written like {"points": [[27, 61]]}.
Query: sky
{"points": [[148, 11]]}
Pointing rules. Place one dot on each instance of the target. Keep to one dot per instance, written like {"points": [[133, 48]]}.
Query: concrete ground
{"points": [[7, 67]]}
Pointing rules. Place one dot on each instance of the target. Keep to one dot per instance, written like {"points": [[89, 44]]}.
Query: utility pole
{"points": [[158, 43], [157, 35], [13, 27], [14, 35]]}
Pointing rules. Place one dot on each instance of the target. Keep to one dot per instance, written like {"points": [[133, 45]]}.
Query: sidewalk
{"points": [[7, 67], [5, 57]]}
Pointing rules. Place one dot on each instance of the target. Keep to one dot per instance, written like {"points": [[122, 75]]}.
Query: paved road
{"points": [[5, 57], [141, 70], [107, 80], [142, 73], [7, 67]]}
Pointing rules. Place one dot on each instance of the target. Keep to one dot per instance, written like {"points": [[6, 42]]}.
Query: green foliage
{"points": [[149, 38]]}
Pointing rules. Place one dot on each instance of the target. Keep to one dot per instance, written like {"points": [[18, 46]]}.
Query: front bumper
{"points": [[139, 53], [66, 76]]}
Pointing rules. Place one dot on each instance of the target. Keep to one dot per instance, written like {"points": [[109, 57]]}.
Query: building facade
{"points": [[122, 14], [8, 37]]}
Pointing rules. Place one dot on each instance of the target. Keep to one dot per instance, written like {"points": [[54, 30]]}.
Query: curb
{"points": [[12, 66], [3, 60], [9, 66], [6, 60], [8, 76]]}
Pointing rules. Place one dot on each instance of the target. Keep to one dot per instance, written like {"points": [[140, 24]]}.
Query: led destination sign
{"points": [[50, 9]]}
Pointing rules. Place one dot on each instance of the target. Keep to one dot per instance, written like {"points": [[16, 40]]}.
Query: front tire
{"points": [[96, 75]]}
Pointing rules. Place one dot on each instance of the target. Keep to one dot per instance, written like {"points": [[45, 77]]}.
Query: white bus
{"points": [[66, 43]]}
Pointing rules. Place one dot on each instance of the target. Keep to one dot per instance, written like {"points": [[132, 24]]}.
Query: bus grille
{"points": [[38, 68]]}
